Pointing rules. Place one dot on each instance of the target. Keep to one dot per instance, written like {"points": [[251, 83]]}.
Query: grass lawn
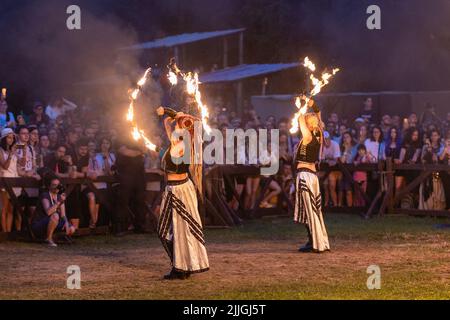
{"points": [[256, 261]]}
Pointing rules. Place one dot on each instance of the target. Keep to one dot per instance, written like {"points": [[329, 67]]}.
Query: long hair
{"points": [[342, 147], [4, 145], [381, 139]]}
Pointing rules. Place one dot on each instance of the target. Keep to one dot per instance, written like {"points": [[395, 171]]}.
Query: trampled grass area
{"points": [[256, 261]]}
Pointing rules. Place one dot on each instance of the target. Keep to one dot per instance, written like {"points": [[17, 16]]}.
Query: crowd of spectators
{"points": [[366, 138], [62, 140]]}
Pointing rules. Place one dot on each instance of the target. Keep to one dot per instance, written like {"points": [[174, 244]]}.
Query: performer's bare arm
{"points": [[306, 134]]}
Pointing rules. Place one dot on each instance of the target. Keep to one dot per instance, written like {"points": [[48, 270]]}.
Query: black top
{"points": [[57, 166], [40, 211], [129, 165], [169, 166], [310, 152]]}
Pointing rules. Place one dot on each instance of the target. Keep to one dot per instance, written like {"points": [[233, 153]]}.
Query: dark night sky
{"points": [[41, 58]]}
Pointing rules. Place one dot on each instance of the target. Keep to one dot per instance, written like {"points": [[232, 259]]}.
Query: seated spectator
{"points": [[21, 120], [59, 162], [39, 117], [59, 107], [267, 157], [50, 216], [7, 119], [330, 155]]}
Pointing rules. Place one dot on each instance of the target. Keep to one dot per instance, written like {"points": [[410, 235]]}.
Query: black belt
{"points": [[177, 182]]}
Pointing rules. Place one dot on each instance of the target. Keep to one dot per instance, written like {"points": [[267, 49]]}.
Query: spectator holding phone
{"points": [[50, 216], [8, 168]]}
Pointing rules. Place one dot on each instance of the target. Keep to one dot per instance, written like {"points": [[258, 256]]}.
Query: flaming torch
{"points": [[135, 131], [317, 86], [192, 88]]}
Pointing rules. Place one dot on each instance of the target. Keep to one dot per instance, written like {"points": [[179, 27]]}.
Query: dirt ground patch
{"points": [[257, 261]]}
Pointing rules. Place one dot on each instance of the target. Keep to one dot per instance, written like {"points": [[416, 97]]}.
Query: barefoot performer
{"points": [[308, 206], [180, 226]]}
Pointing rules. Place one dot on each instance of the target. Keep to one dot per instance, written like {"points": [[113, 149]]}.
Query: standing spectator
{"points": [[409, 153], [58, 162], [360, 177], [386, 124], [53, 138], [59, 107], [50, 215], [431, 191], [131, 192], [44, 146], [413, 120], [8, 168], [392, 144], [375, 145], [330, 155], [100, 165], [348, 153], [368, 114], [71, 142], [81, 164], [6, 118], [362, 134], [39, 117], [27, 167], [34, 144], [444, 157]]}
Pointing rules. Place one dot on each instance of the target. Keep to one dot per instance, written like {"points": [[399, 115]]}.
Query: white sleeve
{"points": [[336, 150], [69, 105]]}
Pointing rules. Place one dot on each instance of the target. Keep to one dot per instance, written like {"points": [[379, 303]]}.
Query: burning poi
{"points": [[136, 132], [192, 88], [317, 86]]}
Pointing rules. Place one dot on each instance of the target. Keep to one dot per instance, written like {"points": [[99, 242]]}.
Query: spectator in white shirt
{"points": [[375, 145], [59, 107], [330, 155]]}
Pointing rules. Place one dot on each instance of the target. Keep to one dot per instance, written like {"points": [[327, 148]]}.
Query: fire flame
{"points": [[173, 78], [318, 85], [137, 133], [192, 88]]}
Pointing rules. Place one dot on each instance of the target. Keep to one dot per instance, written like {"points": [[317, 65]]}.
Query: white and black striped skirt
{"points": [[180, 228], [308, 208]]}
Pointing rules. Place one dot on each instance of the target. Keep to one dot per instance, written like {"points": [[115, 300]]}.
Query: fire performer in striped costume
{"points": [[308, 199], [180, 227]]}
